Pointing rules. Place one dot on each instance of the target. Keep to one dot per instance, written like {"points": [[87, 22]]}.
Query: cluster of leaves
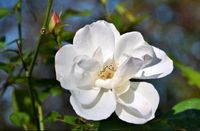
{"points": [[187, 120], [78, 123], [192, 76], [123, 18], [16, 78], [5, 12]]}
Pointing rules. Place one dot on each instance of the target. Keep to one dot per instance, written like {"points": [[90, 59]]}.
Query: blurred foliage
{"points": [[4, 12], [55, 116], [124, 19], [71, 13], [186, 120], [20, 119], [77, 123], [193, 103], [126, 16], [2, 41], [192, 76]]}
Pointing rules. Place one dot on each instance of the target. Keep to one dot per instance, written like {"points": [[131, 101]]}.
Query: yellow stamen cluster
{"points": [[107, 72]]}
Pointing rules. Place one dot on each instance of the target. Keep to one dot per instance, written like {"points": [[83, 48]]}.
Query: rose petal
{"points": [[98, 34], [86, 96], [63, 65], [127, 43], [83, 71], [157, 70], [114, 30], [86, 63], [128, 68], [138, 104], [98, 56], [149, 92], [99, 108]]}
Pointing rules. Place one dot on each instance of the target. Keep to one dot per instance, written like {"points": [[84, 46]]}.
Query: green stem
{"points": [[21, 56], [40, 113], [58, 42], [19, 25], [33, 93], [33, 102], [42, 33]]}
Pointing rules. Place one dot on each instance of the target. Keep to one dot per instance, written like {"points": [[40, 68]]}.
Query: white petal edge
{"points": [[149, 92], [63, 65], [128, 68], [85, 96], [101, 110], [127, 43], [115, 31], [159, 70], [146, 90], [98, 34]]}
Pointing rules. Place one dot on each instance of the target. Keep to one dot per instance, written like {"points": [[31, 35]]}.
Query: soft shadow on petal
{"points": [[142, 51], [86, 63], [127, 43], [86, 96], [149, 92], [138, 104], [83, 72], [97, 105], [98, 34], [63, 65], [128, 116], [158, 69], [121, 86], [97, 55], [128, 68]]}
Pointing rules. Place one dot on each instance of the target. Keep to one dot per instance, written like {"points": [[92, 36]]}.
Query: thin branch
{"points": [[21, 56], [33, 93], [19, 24], [40, 113]]}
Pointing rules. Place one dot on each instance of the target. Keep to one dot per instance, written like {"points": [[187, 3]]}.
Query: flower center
{"points": [[107, 72]]}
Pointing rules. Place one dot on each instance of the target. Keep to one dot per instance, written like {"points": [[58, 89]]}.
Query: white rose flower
{"points": [[97, 70]]}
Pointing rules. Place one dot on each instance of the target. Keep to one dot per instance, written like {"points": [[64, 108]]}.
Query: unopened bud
{"points": [[54, 21]]}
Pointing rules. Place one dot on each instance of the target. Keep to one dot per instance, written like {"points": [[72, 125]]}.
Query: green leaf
{"points": [[20, 119], [55, 91], [2, 42], [48, 40], [120, 8], [43, 96], [4, 12], [77, 123], [5, 67], [21, 100], [193, 103], [66, 35], [55, 116], [70, 120], [52, 117], [116, 20], [192, 75]]}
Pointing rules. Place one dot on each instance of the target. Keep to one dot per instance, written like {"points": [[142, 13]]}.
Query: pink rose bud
{"points": [[54, 21]]}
